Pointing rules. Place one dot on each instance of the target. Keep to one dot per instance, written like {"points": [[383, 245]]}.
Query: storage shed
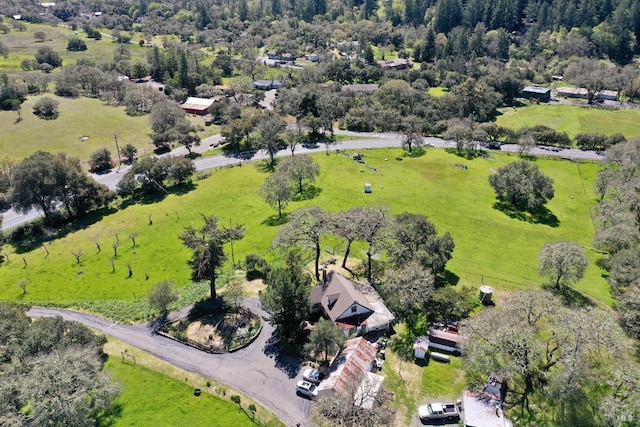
{"points": [[535, 92]]}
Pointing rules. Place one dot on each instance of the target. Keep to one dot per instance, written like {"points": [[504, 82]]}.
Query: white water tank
{"points": [[367, 188], [486, 293]]}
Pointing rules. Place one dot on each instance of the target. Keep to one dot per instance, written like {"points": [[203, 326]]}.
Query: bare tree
{"points": [[133, 236], [77, 254], [235, 293]]}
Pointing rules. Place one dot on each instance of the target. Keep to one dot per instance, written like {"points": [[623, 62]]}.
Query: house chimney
{"points": [[324, 274]]}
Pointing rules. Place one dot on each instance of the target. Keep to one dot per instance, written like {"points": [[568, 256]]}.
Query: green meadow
{"points": [[491, 245], [149, 397], [22, 45], [78, 117], [573, 119]]}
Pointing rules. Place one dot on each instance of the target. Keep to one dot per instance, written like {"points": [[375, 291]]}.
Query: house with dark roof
{"points": [[536, 92], [355, 307], [268, 84]]}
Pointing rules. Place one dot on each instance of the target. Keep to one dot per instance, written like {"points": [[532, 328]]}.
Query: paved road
{"points": [[361, 141], [258, 370]]}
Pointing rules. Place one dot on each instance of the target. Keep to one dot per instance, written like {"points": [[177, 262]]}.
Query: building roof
{"points": [[367, 88], [365, 395], [572, 91], [394, 63], [536, 89], [357, 357], [444, 335], [481, 410], [337, 295], [193, 103]]}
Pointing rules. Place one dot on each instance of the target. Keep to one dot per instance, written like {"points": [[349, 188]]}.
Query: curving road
{"points": [[12, 219], [258, 370]]}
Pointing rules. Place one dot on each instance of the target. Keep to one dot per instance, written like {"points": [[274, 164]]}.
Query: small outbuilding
{"points": [[536, 92]]}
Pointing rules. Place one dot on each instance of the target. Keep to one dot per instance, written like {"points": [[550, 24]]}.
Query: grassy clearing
{"points": [[438, 91], [490, 245], [573, 119], [157, 393], [63, 135], [22, 45]]}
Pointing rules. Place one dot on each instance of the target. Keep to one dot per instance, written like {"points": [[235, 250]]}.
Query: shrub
{"points": [[46, 108], [76, 45]]}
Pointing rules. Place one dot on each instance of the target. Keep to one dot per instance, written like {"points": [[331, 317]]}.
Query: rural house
{"points": [[199, 106], [395, 64], [355, 307]]}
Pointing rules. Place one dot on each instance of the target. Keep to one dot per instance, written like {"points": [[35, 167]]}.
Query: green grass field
{"points": [[150, 398], [490, 245], [573, 119], [78, 117], [22, 45]]}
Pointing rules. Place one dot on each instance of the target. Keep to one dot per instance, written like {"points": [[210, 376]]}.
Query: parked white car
{"points": [[312, 375], [307, 389]]}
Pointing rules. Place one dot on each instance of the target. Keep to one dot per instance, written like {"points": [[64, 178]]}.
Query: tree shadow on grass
{"points": [[286, 362], [275, 220], [415, 152], [570, 296], [538, 216], [448, 278], [266, 166], [309, 192]]}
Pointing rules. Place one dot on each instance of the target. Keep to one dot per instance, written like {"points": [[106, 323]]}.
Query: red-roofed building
{"points": [[199, 106], [356, 358]]}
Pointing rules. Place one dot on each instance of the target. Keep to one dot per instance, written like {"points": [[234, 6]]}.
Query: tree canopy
{"points": [[522, 184], [207, 243]]}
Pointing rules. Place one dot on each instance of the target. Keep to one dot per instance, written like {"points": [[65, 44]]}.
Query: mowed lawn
{"points": [[490, 245], [573, 119], [78, 117], [148, 398]]}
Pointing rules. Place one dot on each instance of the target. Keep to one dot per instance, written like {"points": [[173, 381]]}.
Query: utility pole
{"points": [[115, 136]]}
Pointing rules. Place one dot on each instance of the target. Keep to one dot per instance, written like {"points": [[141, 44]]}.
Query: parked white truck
{"points": [[434, 411]]}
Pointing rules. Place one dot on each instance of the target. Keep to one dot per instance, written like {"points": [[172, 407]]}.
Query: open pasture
{"points": [[573, 119], [491, 246], [78, 118]]}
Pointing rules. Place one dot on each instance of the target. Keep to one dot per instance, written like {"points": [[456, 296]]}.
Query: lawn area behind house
{"points": [[573, 119], [156, 393], [490, 245], [78, 117]]}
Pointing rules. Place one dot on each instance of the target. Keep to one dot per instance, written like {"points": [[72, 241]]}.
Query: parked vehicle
{"points": [[312, 375], [435, 411], [307, 389]]}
